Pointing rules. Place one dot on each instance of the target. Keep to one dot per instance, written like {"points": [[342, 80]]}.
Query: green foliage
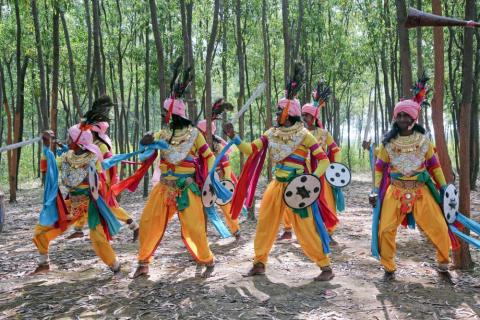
{"points": [[340, 42]]}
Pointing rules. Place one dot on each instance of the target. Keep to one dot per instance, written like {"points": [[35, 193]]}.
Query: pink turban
{"points": [[101, 128], [314, 111], [84, 139], [174, 106], [409, 106], [293, 106], [202, 125]]}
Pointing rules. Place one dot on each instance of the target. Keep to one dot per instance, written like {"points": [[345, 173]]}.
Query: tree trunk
{"points": [[55, 71], [73, 86], [405, 65], [420, 67], [474, 136], [462, 258], [8, 114], [89, 71], [208, 71], [267, 77], [41, 67], [97, 61], [186, 10], [146, 99], [437, 101], [298, 40], [241, 70], [159, 47], [224, 24], [286, 40]]}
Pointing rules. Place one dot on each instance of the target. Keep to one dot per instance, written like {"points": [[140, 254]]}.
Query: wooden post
{"points": [[2, 210]]}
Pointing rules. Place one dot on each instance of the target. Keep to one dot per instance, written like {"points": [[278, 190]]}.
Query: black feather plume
{"points": [[175, 69], [219, 107], [296, 82], [100, 111], [322, 94]]}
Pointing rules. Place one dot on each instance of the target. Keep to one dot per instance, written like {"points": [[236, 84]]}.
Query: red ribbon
{"points": [[131, 183]]}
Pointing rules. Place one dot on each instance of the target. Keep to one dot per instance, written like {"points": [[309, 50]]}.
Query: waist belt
{"points": [[408, 184]]}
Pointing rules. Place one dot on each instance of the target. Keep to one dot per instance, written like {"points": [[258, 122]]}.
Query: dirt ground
{"points": [[81, 287]]}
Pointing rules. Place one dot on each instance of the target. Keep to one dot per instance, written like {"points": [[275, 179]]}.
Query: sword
{"points": [[258, 92], [20, 144]]}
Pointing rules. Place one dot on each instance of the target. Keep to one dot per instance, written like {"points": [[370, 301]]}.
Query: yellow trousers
{"points": [[160, 208], [118, 212], [272, 209], [43, 235], [232, 224], [287, 224], [428, 216]]}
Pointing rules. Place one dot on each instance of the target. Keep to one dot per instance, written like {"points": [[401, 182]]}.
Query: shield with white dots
{"points": [[302, 191], [338, 175], [450, 203]]}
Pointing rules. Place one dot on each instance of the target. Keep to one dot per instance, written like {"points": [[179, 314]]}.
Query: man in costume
{"points": [[289, 144], [408, 177], [178, 190], [108, 177], [224, 169], [329, 195], [78, 165]]}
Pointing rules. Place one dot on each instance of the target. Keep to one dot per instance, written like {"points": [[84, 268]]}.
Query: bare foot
{"points": [[287, 235], [142, 271], [389, 276], [333, 242], [209, 271], [257, 269], [41, 269], [116, 267], [136, 232], [325, 275], [75, 235]]}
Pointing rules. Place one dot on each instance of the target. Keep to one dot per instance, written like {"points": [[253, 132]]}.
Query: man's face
{"points": [[279, 114], [307, 119], [403, 120]]}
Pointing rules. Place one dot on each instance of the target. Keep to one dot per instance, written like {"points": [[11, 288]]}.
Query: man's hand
{"points": [[229, 130], [366, 144], [47, 137], [147, 139], [372, 198]]}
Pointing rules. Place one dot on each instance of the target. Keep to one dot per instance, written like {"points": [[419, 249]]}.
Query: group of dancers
{"points": [[407, 176]]}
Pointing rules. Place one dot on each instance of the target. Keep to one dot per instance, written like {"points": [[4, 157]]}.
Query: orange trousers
{"points": [[428, 216], [160, 208], [272, 209], [43, 235]]}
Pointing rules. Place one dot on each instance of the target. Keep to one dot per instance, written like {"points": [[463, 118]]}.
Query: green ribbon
{"points": [[182, 199], [303, 212]]}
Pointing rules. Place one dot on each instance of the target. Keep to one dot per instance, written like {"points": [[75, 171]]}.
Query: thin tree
{"points": [[97, 61], [55, 70], [208, 71], [41, 66], [438, 93], [462, 258], [159, 51], [405, 64]]}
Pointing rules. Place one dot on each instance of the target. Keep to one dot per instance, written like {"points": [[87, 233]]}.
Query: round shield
{"points": [[450, 203], [302, 191], [93, 181], [208, 193], [230, 186], [338, 175]]}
